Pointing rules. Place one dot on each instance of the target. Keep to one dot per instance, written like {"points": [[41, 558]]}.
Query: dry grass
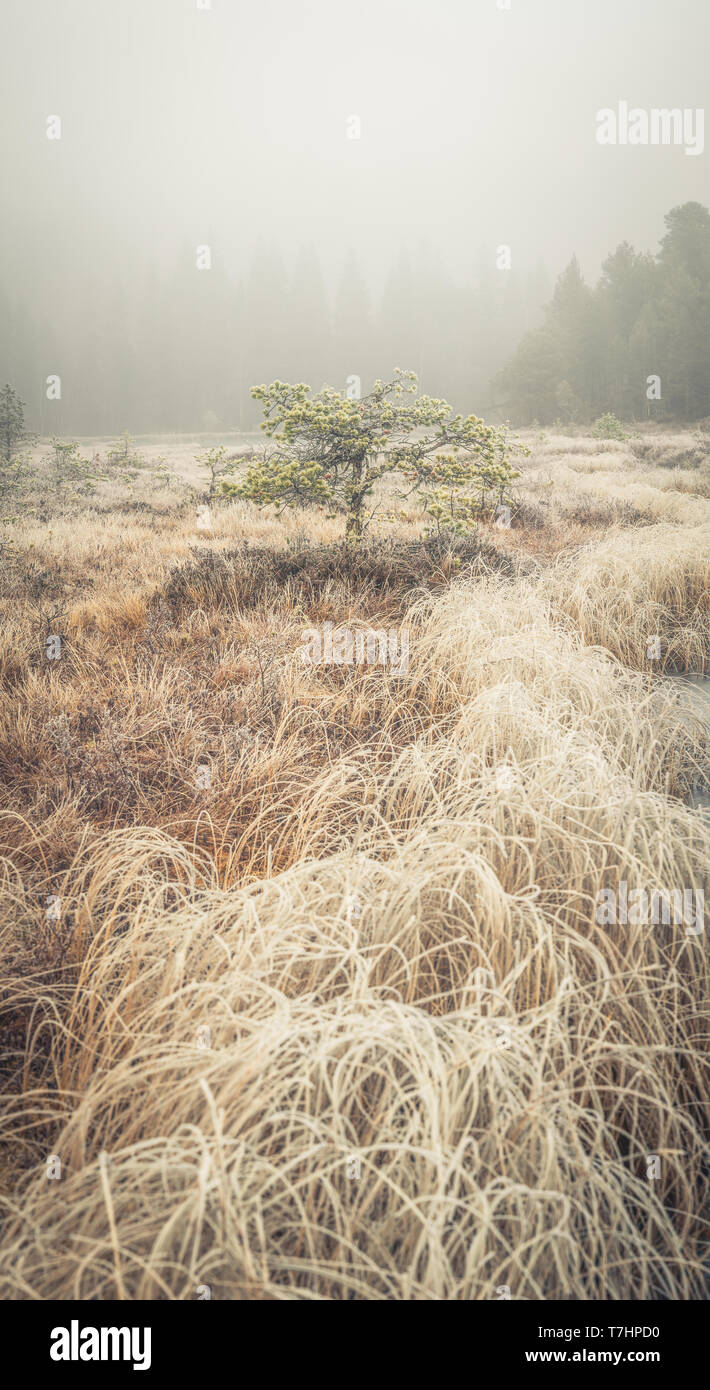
{"points": [[645, 480], [370, 946]]}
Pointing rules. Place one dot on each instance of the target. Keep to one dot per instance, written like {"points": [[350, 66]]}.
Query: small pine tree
{"points": [[124, 455], [332, 451], [69, 471], [218, 465], [12, 422], [609, 427]]}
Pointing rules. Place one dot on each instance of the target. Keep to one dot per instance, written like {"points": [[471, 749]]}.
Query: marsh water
{"points": [[695, 693]]}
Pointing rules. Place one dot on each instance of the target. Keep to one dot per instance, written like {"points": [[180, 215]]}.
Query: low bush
{"points": [[251, 575]]}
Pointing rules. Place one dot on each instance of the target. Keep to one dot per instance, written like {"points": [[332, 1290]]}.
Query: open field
{"points": [[304, 986]]}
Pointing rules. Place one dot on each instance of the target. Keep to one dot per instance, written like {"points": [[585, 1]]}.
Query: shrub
{"points": [[666, 454], [124, 455], [249, 576], [608, 427]]}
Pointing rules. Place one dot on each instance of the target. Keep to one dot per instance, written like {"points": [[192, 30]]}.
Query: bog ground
{"points": [[338, 1019]]}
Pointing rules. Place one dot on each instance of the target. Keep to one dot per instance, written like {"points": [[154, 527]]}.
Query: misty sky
{"points": [[227, 126]]}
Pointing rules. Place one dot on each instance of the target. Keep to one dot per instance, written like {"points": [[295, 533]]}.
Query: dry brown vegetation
{"points": [[370, 943]]}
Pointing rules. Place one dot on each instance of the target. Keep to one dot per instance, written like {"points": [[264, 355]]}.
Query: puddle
{"points": [[696, 690]]}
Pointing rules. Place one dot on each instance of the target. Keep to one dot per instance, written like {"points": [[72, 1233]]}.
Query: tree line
{"points": [[637, 345], [181, 352]]}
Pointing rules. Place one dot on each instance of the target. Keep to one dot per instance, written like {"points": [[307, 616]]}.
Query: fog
{"points": [[342, 163]]}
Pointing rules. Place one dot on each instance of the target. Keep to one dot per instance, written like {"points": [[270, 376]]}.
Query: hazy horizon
{"points": [[229, 128]]}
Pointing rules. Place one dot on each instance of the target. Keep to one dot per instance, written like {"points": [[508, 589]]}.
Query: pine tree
{"points": [[12, 422]]}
